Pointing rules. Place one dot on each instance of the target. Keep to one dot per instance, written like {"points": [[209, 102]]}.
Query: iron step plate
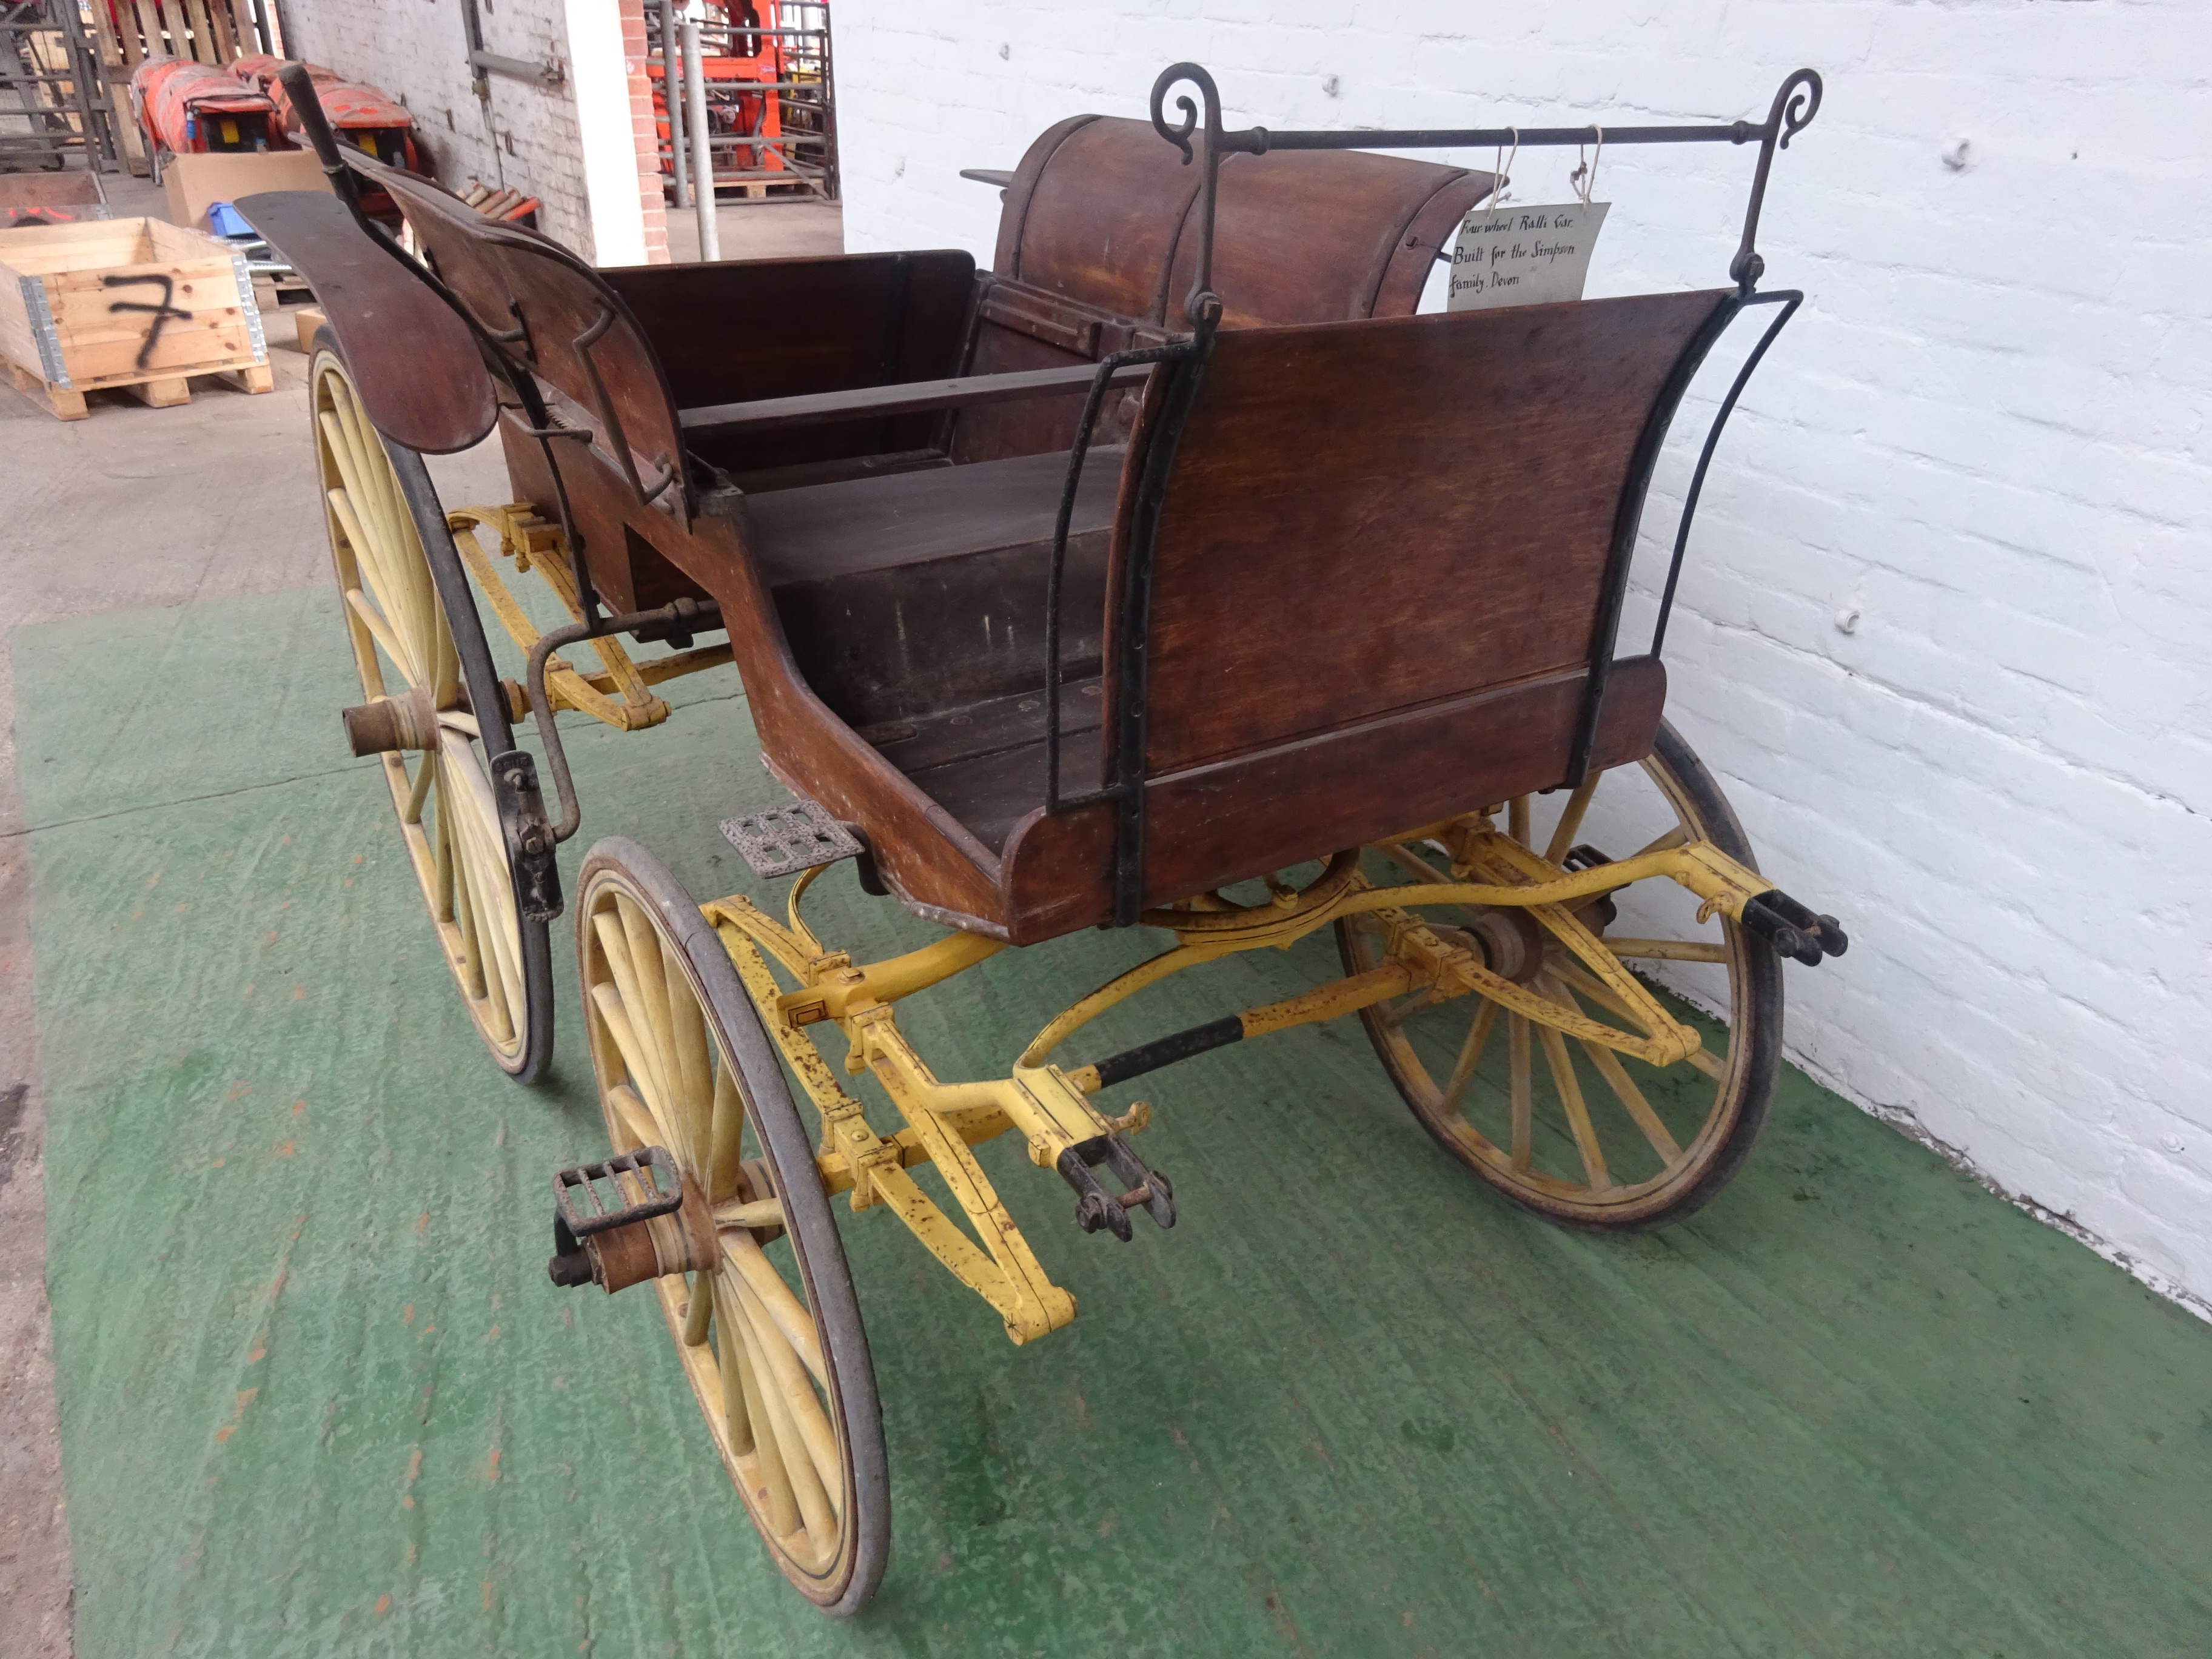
{"points": [[785, 840]]}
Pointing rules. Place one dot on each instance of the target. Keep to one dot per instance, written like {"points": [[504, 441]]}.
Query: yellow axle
{"points": [[1050, 1108]]}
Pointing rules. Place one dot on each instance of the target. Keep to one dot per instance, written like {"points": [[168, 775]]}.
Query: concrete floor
{"points": [[133, 509], [763, 230]]}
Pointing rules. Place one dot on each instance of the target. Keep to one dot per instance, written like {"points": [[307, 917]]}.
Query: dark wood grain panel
{"points": [[1100, 225], [923, 852], [1307, 236], [753, 329], [1217, 824], [1370, 517]]}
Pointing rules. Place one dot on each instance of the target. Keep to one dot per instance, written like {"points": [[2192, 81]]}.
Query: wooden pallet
{"points": [[157, 391], [129, 303]]}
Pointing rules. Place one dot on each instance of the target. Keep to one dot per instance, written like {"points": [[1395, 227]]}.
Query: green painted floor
{"points": [[318, 1396]]}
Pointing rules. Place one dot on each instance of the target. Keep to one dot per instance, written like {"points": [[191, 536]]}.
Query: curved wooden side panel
{"points": [[556, 318], [1212, 825], [1395, 514], [925, 854], [434, 396]]}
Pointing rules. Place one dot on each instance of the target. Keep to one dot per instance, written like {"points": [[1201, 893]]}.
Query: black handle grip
{"points": [[307, 104]]}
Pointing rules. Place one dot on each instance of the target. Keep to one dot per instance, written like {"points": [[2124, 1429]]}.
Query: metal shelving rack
{"points": [[805, 151], [53, 103]]}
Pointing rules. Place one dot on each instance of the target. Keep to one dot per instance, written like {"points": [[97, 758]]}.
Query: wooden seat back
{"points": [[1097, 246], [559, 319], [1369, 527], [1103, 214]]}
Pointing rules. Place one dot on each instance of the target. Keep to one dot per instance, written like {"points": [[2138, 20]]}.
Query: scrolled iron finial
{"points": [[1795, 103], [1179, 135]]}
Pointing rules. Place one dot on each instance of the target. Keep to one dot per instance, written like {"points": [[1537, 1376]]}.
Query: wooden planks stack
{"points": [[131, 303], [129, 32], [498, 203]]}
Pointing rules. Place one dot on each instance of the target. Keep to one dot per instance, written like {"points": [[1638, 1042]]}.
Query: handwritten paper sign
{"points": [[1524, 256]]}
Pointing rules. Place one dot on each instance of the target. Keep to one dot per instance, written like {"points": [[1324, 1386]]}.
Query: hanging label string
{"points": [[1584, 178], [1500, 169]]}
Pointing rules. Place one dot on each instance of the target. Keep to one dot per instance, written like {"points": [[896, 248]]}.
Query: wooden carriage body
{"points": [[1359, 547], [1176, 550]]}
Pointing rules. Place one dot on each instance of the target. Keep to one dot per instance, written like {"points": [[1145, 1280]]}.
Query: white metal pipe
{"points": [[702, 151]]}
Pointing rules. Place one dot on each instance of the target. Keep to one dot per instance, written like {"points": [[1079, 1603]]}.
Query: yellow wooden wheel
{"points": [[771, 1337], [1563, 1126], [420, 648]]}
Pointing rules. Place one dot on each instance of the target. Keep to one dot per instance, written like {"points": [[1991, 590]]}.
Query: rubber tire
{"points": [[535, 1060], [816, 1246]]}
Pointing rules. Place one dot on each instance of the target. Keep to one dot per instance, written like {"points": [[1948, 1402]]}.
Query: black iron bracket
{"points": [[1788, 300], [676, 623], [1055, 572], [529, 839], [1097, 1209], [1794, 930]]}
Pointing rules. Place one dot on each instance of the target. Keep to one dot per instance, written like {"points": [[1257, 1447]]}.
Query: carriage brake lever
{"points": [[1094, 1207]]}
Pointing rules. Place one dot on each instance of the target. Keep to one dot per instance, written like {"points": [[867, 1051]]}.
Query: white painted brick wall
{"points": [[524, 135], [1985, 433]]}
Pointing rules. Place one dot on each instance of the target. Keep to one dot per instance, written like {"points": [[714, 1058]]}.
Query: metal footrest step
{"points": [[785, 840]]}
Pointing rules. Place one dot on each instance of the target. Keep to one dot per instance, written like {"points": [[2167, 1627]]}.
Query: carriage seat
{"points": [[915, 608]]}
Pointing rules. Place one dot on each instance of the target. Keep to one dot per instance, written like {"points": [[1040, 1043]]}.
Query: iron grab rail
{"points": [[1795, 103]]}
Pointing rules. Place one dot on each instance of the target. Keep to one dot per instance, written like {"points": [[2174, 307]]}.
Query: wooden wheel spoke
{"points": [[784, 1309], [1577, 1110], [775, 1493], [1520, 1089], [482, 868], [729, 1355], [1710, 1064], [371, 618], [1470, 1056], [809, 1447], [608, 999], [634, 1036], [724, 1136], [1570, 818], [1622, 1086], [635, 1115], [1397, 1013], [1667, 949], [693, 1068]]}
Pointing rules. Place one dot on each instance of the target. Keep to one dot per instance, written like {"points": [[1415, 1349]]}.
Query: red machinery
{"points": [[194, 109], [361, 115], [756, 59]]}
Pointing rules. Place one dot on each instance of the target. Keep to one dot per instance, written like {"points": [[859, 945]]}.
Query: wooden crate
{"points": [[62, 333]]}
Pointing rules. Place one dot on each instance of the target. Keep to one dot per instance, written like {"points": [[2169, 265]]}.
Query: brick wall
{"points": [[1944, 629], [521, 133], [645, 138]]}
